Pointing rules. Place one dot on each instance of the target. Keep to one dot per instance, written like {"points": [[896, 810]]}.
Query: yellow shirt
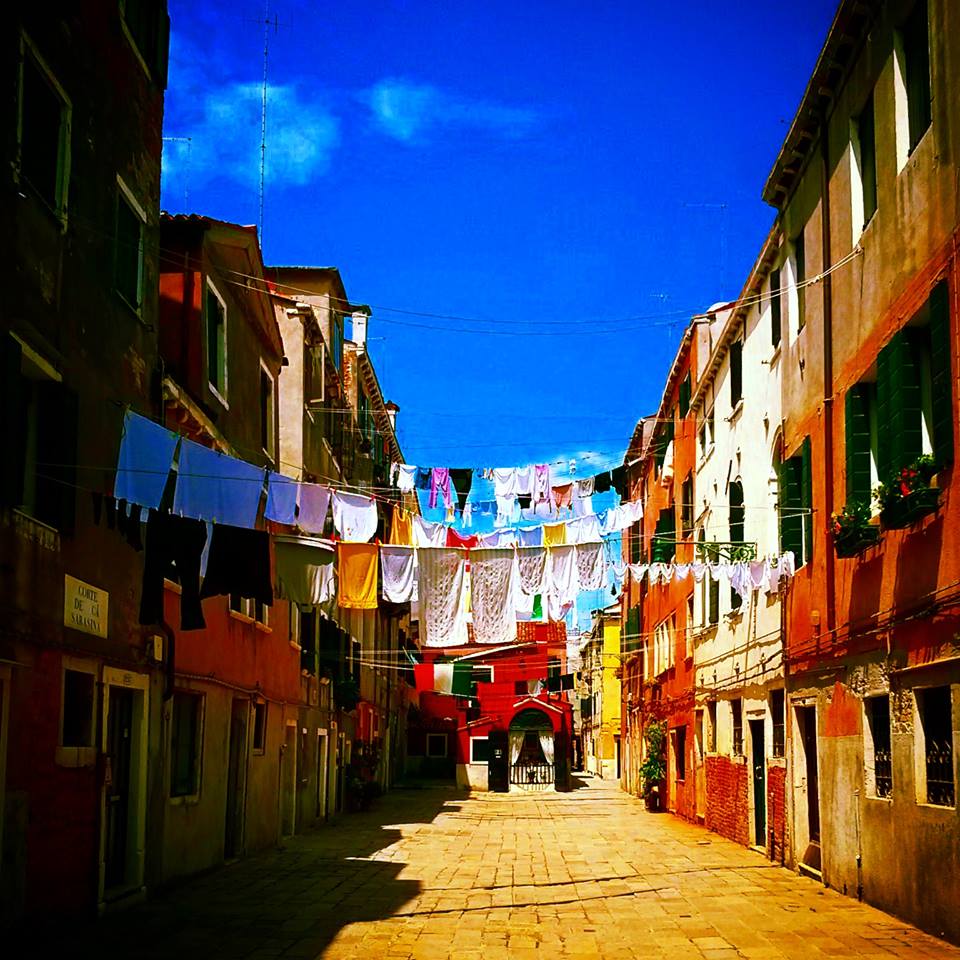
{"points": [[401, 530], [358, 568], [554, 534]]}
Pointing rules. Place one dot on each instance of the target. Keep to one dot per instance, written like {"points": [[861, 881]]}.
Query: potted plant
{"points": [[908, 496], [653, 770], [852, 530]]}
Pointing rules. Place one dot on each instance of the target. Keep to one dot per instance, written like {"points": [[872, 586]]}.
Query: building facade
{"points": [[600, 701]]}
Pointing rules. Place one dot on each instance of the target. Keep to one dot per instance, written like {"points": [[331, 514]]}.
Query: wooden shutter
{"points": [[736, 372], [884, 391], [941, 351], [684, 399], [906, 402], [12, 420], [57, 424], [806, 498], [790, 520], [857, 441]]}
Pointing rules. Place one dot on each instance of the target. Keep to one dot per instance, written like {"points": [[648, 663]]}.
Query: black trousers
{"points": [[173, 543]]}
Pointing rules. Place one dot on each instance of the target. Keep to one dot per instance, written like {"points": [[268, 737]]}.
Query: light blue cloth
{"points": [[531, 536], [144, 462], [281, 498], [214, 486]]}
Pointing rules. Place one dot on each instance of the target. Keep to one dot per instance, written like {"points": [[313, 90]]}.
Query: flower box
{"points": [[903, 511], [855, 540]]}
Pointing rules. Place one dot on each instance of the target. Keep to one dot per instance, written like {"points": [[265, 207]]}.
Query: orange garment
{"points": [[401, 530], [563, 495], [554, 534], [358, 566]]}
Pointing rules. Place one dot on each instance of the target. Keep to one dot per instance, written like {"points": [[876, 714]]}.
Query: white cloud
{"points": [[224, 139], [409, 111]]}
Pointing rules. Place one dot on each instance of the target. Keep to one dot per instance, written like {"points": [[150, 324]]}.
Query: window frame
{"points": [[872, 774], [268, 418], [922, 757], [776, 308], [434, 737], [28, 49], [861, 162], [77, 755], [475, 740], [193, 796], [211, 288], [736, 724], [258, 708], [125, 196]]}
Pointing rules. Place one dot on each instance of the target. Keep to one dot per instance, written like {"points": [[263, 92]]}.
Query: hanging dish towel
{"points": [[427, 534], [282, 494], [314, 504], [213, 486], [562, 575], [146, 456], [354, 516]]}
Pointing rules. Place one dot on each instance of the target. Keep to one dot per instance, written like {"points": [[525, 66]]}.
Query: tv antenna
{"points": [[268, 22]]}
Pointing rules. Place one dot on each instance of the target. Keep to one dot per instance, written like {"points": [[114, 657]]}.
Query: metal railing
{"points": [[532, 775]]}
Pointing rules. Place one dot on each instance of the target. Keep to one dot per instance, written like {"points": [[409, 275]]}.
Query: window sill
{"points": [[924, 805], [136, 311], [296, 646], [736, 411], [259, 753], [36, 530], [218, 395], [733, 616], [775, 356], [889, 801], [57, 216], [780, 762], [242, 617], [172, 586], [263, 627], [188, 801]]}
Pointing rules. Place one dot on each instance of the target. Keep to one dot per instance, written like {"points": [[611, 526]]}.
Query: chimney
{"points": [[359, 318], [392, 411]]}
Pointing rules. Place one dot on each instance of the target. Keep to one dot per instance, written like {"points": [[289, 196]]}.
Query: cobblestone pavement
{"points": [[431, 874]]}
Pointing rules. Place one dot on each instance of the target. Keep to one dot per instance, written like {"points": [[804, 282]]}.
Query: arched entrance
{"points": [[530, 741]]}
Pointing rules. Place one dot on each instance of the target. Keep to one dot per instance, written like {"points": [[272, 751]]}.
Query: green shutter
{"points": [[884, 445], [857, 442], [941, 351], [806, 498], [684, 399], [904, 399], [631, 639], [790, 519]]}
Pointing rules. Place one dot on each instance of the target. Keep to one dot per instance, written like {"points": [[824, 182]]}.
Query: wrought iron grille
{"points": [[940, 788], [778, 739], [883, 772], [532, 775]]}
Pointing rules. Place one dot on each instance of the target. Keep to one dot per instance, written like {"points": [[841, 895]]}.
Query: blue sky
{"points": [[543, 171]]}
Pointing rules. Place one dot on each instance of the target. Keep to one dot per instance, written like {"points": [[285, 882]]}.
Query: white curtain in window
{"points": [[515, 738], [546, 745]]}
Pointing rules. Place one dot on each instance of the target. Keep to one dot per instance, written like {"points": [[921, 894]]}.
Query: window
{"points": [[799, 275], [914, 389], [636, 542], [936, 724], [39, 476], [520, 688], [663, 645], [436, 744], [215, 310], [680, 752], [336, 348], [267, 415], [736, 710], [185, 741], [712, 731], [688, 632], [775, 307], [293, 621], [861, 435], [259, 727], [776, 716], [863, 192], [148, 27], [877, 748], [913, 45], [736, 373], [683, 400], [44, 132], [128, 251], [686, 506], [736, 524], [479, 749], [663, 438], [796, 505], [79, 704], [663, 543], [706, 432]]}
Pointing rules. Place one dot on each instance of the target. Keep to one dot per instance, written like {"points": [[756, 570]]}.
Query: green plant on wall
{"points": [[654, 766]]}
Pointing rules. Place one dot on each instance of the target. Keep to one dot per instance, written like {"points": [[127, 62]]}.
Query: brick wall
{"points": [[776, 814], [727, 810]]}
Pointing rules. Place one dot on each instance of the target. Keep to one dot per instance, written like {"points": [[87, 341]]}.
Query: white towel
{"points": [[427, 534], [398, 566], [406, 477], [354, 516], [314, 503], [562, 577]]}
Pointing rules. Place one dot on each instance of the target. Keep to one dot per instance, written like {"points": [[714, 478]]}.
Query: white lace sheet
{"points": [[492, 579], [442, 611], [590, 567], [532, 569], [562, 574], [398, 566]]}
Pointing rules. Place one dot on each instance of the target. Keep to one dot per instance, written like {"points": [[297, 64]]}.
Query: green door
{"points": [[759, 784]]}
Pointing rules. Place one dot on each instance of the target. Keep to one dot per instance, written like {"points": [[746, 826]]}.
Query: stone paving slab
{"points": [[432, 874]]}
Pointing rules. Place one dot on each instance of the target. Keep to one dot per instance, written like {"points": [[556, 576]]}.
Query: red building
{"points": [[510, 726]]}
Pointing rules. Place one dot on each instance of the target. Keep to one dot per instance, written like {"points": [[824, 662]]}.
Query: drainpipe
{"points": [[170, 658], [827, 369]]}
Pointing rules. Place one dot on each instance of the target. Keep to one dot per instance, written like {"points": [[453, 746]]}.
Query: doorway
{"points": [[321, 774], [759, 784], [123, 798], [807, 721], [236, 779], [699, 767]]}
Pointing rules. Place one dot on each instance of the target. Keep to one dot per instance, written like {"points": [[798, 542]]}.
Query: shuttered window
{"points": [[775, 315], [796, 505], [916, 48], [857, 440], [683, 401], [736, 372], [662, 545], [941, 376]]}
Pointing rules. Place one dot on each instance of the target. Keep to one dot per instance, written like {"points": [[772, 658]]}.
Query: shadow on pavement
{"points": [[291, 900]]}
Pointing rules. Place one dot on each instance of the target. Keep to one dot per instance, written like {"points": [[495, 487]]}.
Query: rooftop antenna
{"points": [[186, 177], [267, 23]]}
